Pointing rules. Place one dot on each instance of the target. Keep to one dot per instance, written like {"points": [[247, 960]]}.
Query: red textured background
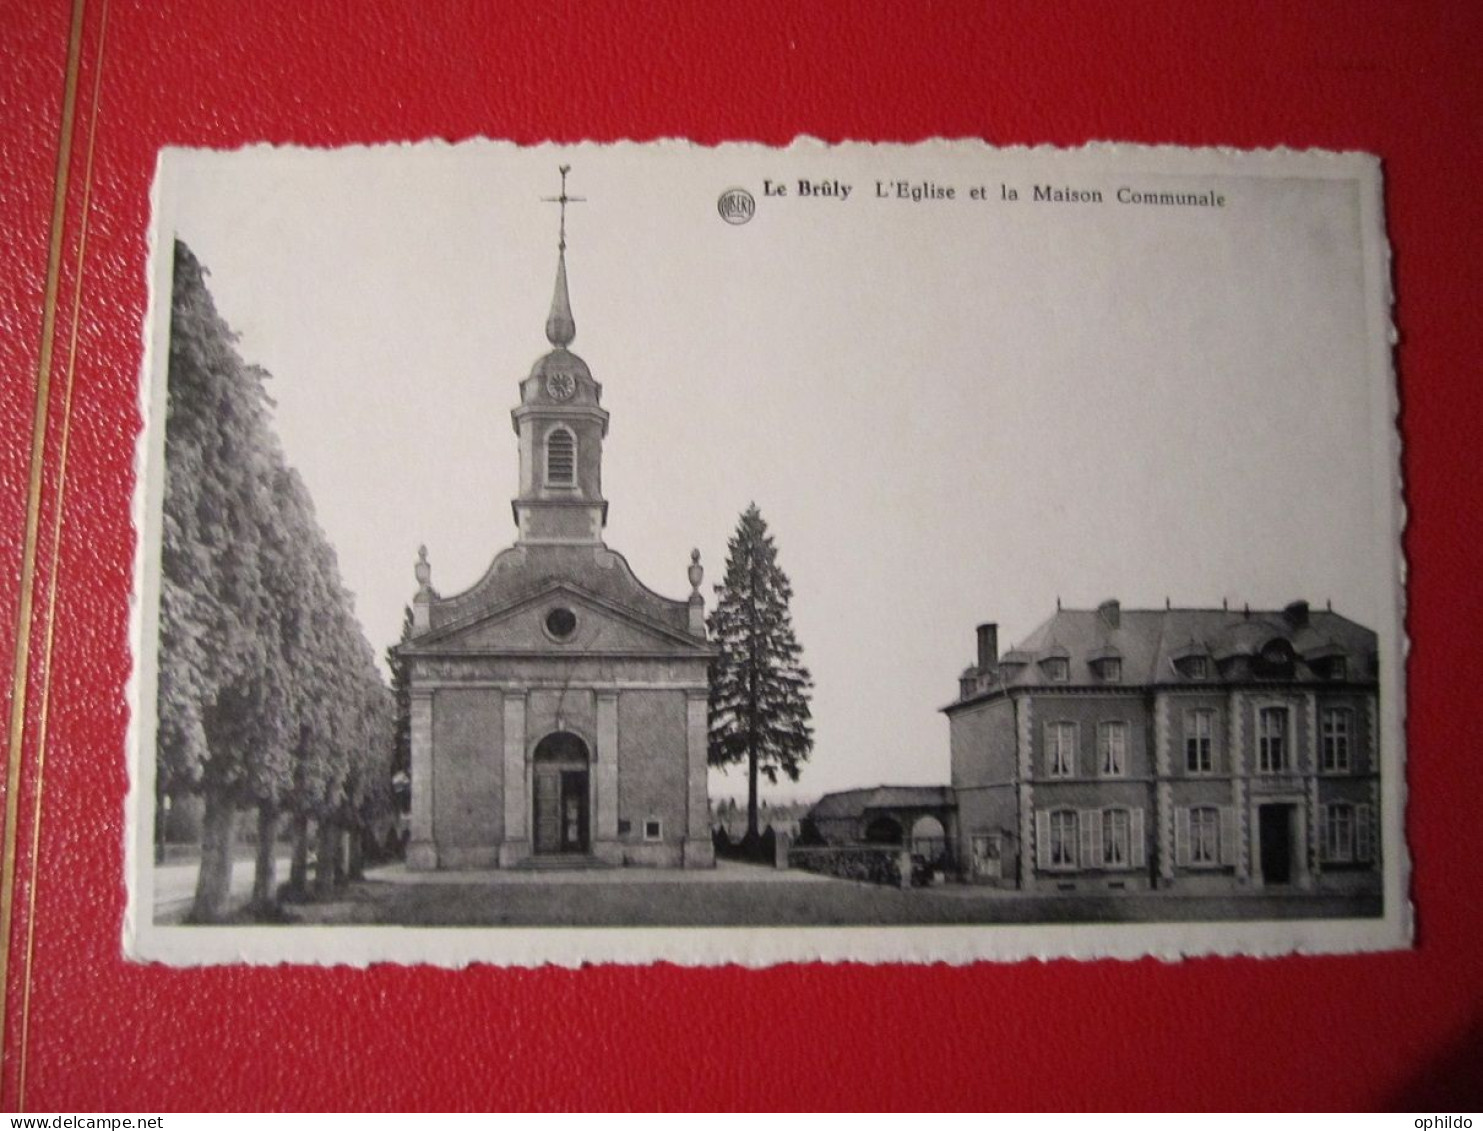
{"points": [[1399, 80]]}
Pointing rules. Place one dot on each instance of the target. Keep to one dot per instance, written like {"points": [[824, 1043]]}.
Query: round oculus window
{"points": [[561, 623]]}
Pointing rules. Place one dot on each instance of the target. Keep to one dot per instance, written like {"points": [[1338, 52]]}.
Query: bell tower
{"points": [[561, 424]]}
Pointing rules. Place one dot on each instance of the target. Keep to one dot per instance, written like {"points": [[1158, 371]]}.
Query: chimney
{"points": [[1296, 613], [988, 647], [1110, 612]]}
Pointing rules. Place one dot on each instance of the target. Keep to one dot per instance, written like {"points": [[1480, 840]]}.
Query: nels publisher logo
{"points": [[736, 206]]}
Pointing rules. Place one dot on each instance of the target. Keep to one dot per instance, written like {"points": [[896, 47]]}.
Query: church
{"points": [[558, 706]]}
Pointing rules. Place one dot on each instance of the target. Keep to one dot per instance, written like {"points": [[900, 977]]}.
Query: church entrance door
{"points": [[561, 795], [561, 811]]}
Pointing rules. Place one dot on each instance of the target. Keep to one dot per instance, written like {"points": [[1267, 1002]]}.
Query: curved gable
{"points": [[523, 571]]}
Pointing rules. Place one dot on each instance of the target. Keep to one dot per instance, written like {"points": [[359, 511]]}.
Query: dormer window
{"points": [[561, 458], [1057, 669], [1338, 668], [1197, 667], [1110, 670], [1274, 661]]}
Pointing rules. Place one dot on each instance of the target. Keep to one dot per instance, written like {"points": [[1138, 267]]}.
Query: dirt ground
{"points": [[748, 896]]}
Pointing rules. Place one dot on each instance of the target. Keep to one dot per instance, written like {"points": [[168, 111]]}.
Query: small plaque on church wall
{"points": [[941, 552]]}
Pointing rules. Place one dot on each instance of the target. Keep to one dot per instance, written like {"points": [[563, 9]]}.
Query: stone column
{"points": [[422, 852], [516, 845], [1163, 763], [1246, 861], [699, 852], [605, 779], [1024, 738]]}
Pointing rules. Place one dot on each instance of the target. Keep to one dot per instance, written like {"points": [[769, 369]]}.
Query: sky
{"points": [[948, 411]]}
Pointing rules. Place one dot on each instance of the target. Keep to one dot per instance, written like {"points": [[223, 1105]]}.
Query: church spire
{"points": [[561, 327]]}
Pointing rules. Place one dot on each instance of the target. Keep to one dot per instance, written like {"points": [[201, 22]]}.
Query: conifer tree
{"points": [[401, 693], [759, 712]]}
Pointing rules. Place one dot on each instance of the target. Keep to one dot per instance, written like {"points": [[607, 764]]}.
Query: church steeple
{"points": [[561, 327], [561, 426]]}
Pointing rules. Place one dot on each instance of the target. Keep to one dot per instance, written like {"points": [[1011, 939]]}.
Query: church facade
{"points": [[559, 705]]}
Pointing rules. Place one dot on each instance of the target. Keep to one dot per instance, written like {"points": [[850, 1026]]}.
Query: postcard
{"points": [[656, 552]]}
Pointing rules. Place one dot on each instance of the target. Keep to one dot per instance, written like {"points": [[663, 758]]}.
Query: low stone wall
{"points": [[870, 863]]}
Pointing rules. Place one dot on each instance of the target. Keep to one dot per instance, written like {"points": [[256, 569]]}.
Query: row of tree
{"points": [[269, 696]]}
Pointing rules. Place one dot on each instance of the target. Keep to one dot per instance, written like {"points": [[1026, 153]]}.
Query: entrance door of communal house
{"points": [[1276, 843], [560, 802]]}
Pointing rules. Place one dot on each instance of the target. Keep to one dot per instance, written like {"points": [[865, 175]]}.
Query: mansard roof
{"points": [[1152, 643]]}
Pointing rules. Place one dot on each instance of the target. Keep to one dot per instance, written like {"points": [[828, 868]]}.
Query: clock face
{"points": [[560, 385]]}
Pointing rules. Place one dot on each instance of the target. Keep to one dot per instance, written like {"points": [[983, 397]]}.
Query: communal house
{"points": [[1211, 751]]}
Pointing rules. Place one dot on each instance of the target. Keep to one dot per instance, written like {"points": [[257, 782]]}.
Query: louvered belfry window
{"points": [[561, 458]]}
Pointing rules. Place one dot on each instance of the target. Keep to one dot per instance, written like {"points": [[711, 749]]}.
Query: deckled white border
{"points": [[456, 947]]}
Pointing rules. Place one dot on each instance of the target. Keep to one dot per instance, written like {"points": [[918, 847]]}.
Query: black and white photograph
{"points": [[652, 552]]}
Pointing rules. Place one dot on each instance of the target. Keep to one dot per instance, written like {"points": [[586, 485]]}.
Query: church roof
{"points": [[522, 571], [561, 360], [561, 327]]}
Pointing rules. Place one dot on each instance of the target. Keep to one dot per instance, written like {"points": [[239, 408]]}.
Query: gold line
{"points": [[56, 557], [33, 512]]}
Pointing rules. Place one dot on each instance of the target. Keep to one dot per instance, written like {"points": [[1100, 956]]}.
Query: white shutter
{"points": [[1227, 835], [1091, 838], [1181, 837], [1137, 851], [1364, 833], [1048, 750], [1042, 838], [1323, 833]]}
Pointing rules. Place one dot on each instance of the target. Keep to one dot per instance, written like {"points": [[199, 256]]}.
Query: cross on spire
{"points": [[561, 328], [563, 200]]}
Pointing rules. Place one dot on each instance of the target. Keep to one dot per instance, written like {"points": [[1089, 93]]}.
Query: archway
{"points": [[928, 839], [883, 830], [561, 809]]}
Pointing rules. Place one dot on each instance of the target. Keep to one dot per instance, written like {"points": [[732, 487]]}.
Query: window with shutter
{"points": [[1138, 857], [1115, 825], [561, 457], [1271, 739], [1060, 743], [1364, 834], [1063, 838], [1204, 836], [1198, 728], [1228, 836], [1336, 832], [1112, 741], [1335, 739]]}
